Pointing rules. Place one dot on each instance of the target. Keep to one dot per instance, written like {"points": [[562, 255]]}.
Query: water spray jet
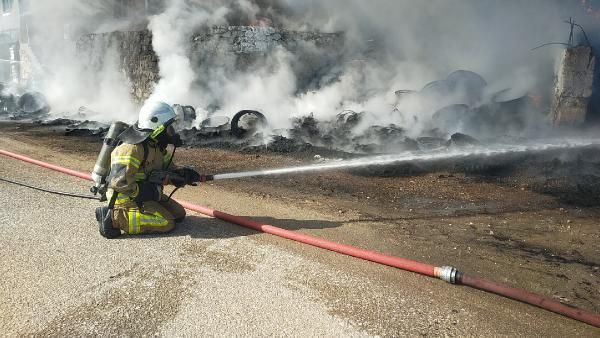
{"points": [[447, 154]]}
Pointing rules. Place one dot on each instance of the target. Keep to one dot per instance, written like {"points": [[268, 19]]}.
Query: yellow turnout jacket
{"points": [[127, 168]]}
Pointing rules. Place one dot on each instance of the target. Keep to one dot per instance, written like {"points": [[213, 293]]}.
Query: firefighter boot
{"points": [[104, 218]]}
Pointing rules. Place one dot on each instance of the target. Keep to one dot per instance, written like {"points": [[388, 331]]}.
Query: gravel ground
{"points": [[210, 278]]}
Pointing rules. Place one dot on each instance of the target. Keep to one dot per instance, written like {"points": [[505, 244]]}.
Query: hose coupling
{"points": [[448, 274]]}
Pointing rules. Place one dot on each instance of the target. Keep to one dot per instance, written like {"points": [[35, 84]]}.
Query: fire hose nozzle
{"points": [[206, 178]]}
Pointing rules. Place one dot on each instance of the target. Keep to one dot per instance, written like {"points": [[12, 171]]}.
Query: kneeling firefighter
{"points": [[139, 168]]}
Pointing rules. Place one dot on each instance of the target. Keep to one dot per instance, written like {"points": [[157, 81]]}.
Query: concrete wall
{"points": [[574, 86]]}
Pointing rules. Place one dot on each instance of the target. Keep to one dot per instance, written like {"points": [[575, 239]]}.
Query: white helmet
{"points": [[155, 114]]}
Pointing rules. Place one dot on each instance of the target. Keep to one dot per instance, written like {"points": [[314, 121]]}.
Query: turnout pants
{"points": [[153, 217]]}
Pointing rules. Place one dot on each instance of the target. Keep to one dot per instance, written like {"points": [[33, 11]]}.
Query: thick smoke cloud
{"points": [[69, 82], [389, 45]]}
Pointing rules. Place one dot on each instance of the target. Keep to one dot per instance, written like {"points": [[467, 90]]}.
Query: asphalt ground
{"points": [[211, 278], [59, 277]]}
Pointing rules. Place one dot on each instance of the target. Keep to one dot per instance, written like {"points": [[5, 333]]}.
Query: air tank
{"points": [[102, 166]]}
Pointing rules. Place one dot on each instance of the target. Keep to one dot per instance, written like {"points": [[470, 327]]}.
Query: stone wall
{"points": [[258, 39], [136, 58], [574, 86], [241, 47]]}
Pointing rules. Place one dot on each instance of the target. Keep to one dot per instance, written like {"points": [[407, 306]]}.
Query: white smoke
{"points": [[172, 32], [69, 83], [415, 43], [389, 45]]}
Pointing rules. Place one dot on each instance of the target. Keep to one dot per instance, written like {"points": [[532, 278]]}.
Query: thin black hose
{"points": [[51, 191], [172, 192]]}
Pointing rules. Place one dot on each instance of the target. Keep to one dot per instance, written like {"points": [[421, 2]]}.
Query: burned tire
{"points": [[240, 130], [33, 103]]}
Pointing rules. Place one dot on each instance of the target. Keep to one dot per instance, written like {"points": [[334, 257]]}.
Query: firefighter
{"points": [[137, 202]]}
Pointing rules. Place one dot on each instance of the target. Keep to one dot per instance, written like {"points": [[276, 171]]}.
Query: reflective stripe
{"points": [[134, 221], [140, 176], [138, 219], [157, 132], [122, 198], [136, 166], [127, 160], [155, 220]]}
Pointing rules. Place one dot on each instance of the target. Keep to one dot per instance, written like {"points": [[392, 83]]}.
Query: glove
{"points": [[147, 192], [176, 180], [163, 177], [189, 175]]}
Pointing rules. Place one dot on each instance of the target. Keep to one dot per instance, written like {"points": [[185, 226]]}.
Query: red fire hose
{"points": [[47, 165], [401, 263], [446, 273]]}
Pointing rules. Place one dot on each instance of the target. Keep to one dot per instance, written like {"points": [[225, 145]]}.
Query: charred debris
{"points": [[249, 130], [470, 116]]}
